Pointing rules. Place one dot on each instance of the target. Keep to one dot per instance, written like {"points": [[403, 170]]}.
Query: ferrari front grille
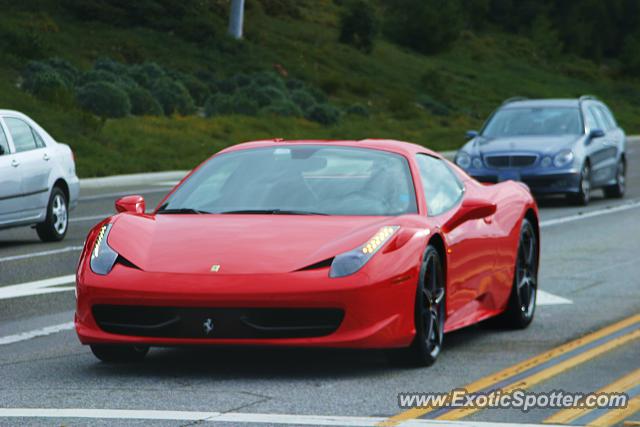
{"points": [[202, 322]]}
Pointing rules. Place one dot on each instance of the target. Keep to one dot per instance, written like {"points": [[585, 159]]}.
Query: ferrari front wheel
{"points": [[119, 353], [522, 302], [429, 312]]}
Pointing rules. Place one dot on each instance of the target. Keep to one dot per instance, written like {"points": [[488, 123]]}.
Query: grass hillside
{"points": [[391, 92]]}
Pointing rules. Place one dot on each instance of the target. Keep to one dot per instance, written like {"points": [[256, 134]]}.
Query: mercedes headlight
{"points": [[102, 256], [350, 262], [563, 158], [463, 160]]}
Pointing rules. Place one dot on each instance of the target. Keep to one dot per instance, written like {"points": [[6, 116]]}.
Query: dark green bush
{"points": [[147, 74], [283, 108], [434, 107], [104, 99], [324, 114], [218, 104], [359, 25], [173, 97], [94, 76], [142, 102], [428, 26], [358, 110], [28, 44], [303, 99], [266, 95], [50, 86]]}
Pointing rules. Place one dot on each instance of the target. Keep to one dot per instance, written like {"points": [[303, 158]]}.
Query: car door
{"points": [[615, 141], [597, 148], [10, 182], [471, 260], [33, 159]]}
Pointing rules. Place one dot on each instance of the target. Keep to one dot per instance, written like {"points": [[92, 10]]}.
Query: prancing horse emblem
{"points": [[207, 325]]}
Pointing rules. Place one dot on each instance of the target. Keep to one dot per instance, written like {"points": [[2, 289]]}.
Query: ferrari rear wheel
{"points": [[522, 302], [119, 353], [429, 312]]}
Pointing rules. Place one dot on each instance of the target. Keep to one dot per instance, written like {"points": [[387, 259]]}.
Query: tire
{"points": [[56, 224], [616, 191], [522, 301], [583, 196], [119, 353], [429, 314]]}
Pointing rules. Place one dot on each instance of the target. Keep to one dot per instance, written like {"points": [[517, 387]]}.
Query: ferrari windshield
{"points": [[298, 179], [534, 121]]}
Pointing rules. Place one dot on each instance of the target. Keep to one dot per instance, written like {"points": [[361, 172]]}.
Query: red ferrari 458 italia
{"points": [[359, 244]]}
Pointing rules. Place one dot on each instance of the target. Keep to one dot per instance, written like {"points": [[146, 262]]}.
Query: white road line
{"points": [[11, 339], [236, 417], [547, 298], [38, 287], [39, 254], [584, 215]]}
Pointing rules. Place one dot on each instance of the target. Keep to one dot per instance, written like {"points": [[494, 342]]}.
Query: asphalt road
{"points": [[590, 260]]}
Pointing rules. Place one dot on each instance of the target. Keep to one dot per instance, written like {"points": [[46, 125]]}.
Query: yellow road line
{"points": [[631, 423], [550, 372], [487, 382], [626, 382], [615, 416]]}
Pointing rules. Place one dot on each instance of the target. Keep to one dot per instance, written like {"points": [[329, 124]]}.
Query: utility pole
{"points": [[236, 19]]}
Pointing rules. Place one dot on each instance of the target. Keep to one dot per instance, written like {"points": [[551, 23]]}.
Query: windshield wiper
{"points": [[272, 212], [182, 211]]}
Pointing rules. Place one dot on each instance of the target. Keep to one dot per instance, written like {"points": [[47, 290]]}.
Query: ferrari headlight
{"points": [[102, 256], [463, 160], [349, 262], [563, 158]]}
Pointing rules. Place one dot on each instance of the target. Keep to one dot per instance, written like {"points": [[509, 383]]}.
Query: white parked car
{"points": [[38, 182]]}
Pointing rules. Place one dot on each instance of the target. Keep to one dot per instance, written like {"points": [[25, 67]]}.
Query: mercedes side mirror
{"points": [[596, 133], [471, 134], [133, 204], [471, 209]]}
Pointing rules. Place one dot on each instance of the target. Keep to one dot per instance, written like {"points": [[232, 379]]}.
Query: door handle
{"points": [[15, 163], [46, 157]]}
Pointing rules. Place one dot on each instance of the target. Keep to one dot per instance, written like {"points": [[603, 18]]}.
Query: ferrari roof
{"points": [[392, 145]]}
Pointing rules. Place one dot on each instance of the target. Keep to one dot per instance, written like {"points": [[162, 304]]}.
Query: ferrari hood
{"points": [[537, 144], [238, 244]]}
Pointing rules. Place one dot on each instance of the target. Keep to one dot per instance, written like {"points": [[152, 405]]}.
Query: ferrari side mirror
{"points": [[133, 204], [469, 210]]}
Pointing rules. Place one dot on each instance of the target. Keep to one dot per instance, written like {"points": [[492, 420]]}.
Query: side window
{"points": [[22, 135], [606, 116], [4, 144], [590, 119], [596, 119], [39, 141], [442, 188], [597, 111]]}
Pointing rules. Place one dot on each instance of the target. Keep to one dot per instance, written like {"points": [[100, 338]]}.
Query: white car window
{"points": [[23, 139], [4, 144], [442, 189]]}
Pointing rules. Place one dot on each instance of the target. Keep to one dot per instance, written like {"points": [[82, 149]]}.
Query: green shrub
{"points": [[29, 44], [142, 102], [303, 99], [50, 86], [359, 25], [428, 26], [147, 74], [94, 76], [324, 114], [266, 95], [358, 110], [104, 99], [198, 90], [173, 97], [218, 104], [283, 108]]}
